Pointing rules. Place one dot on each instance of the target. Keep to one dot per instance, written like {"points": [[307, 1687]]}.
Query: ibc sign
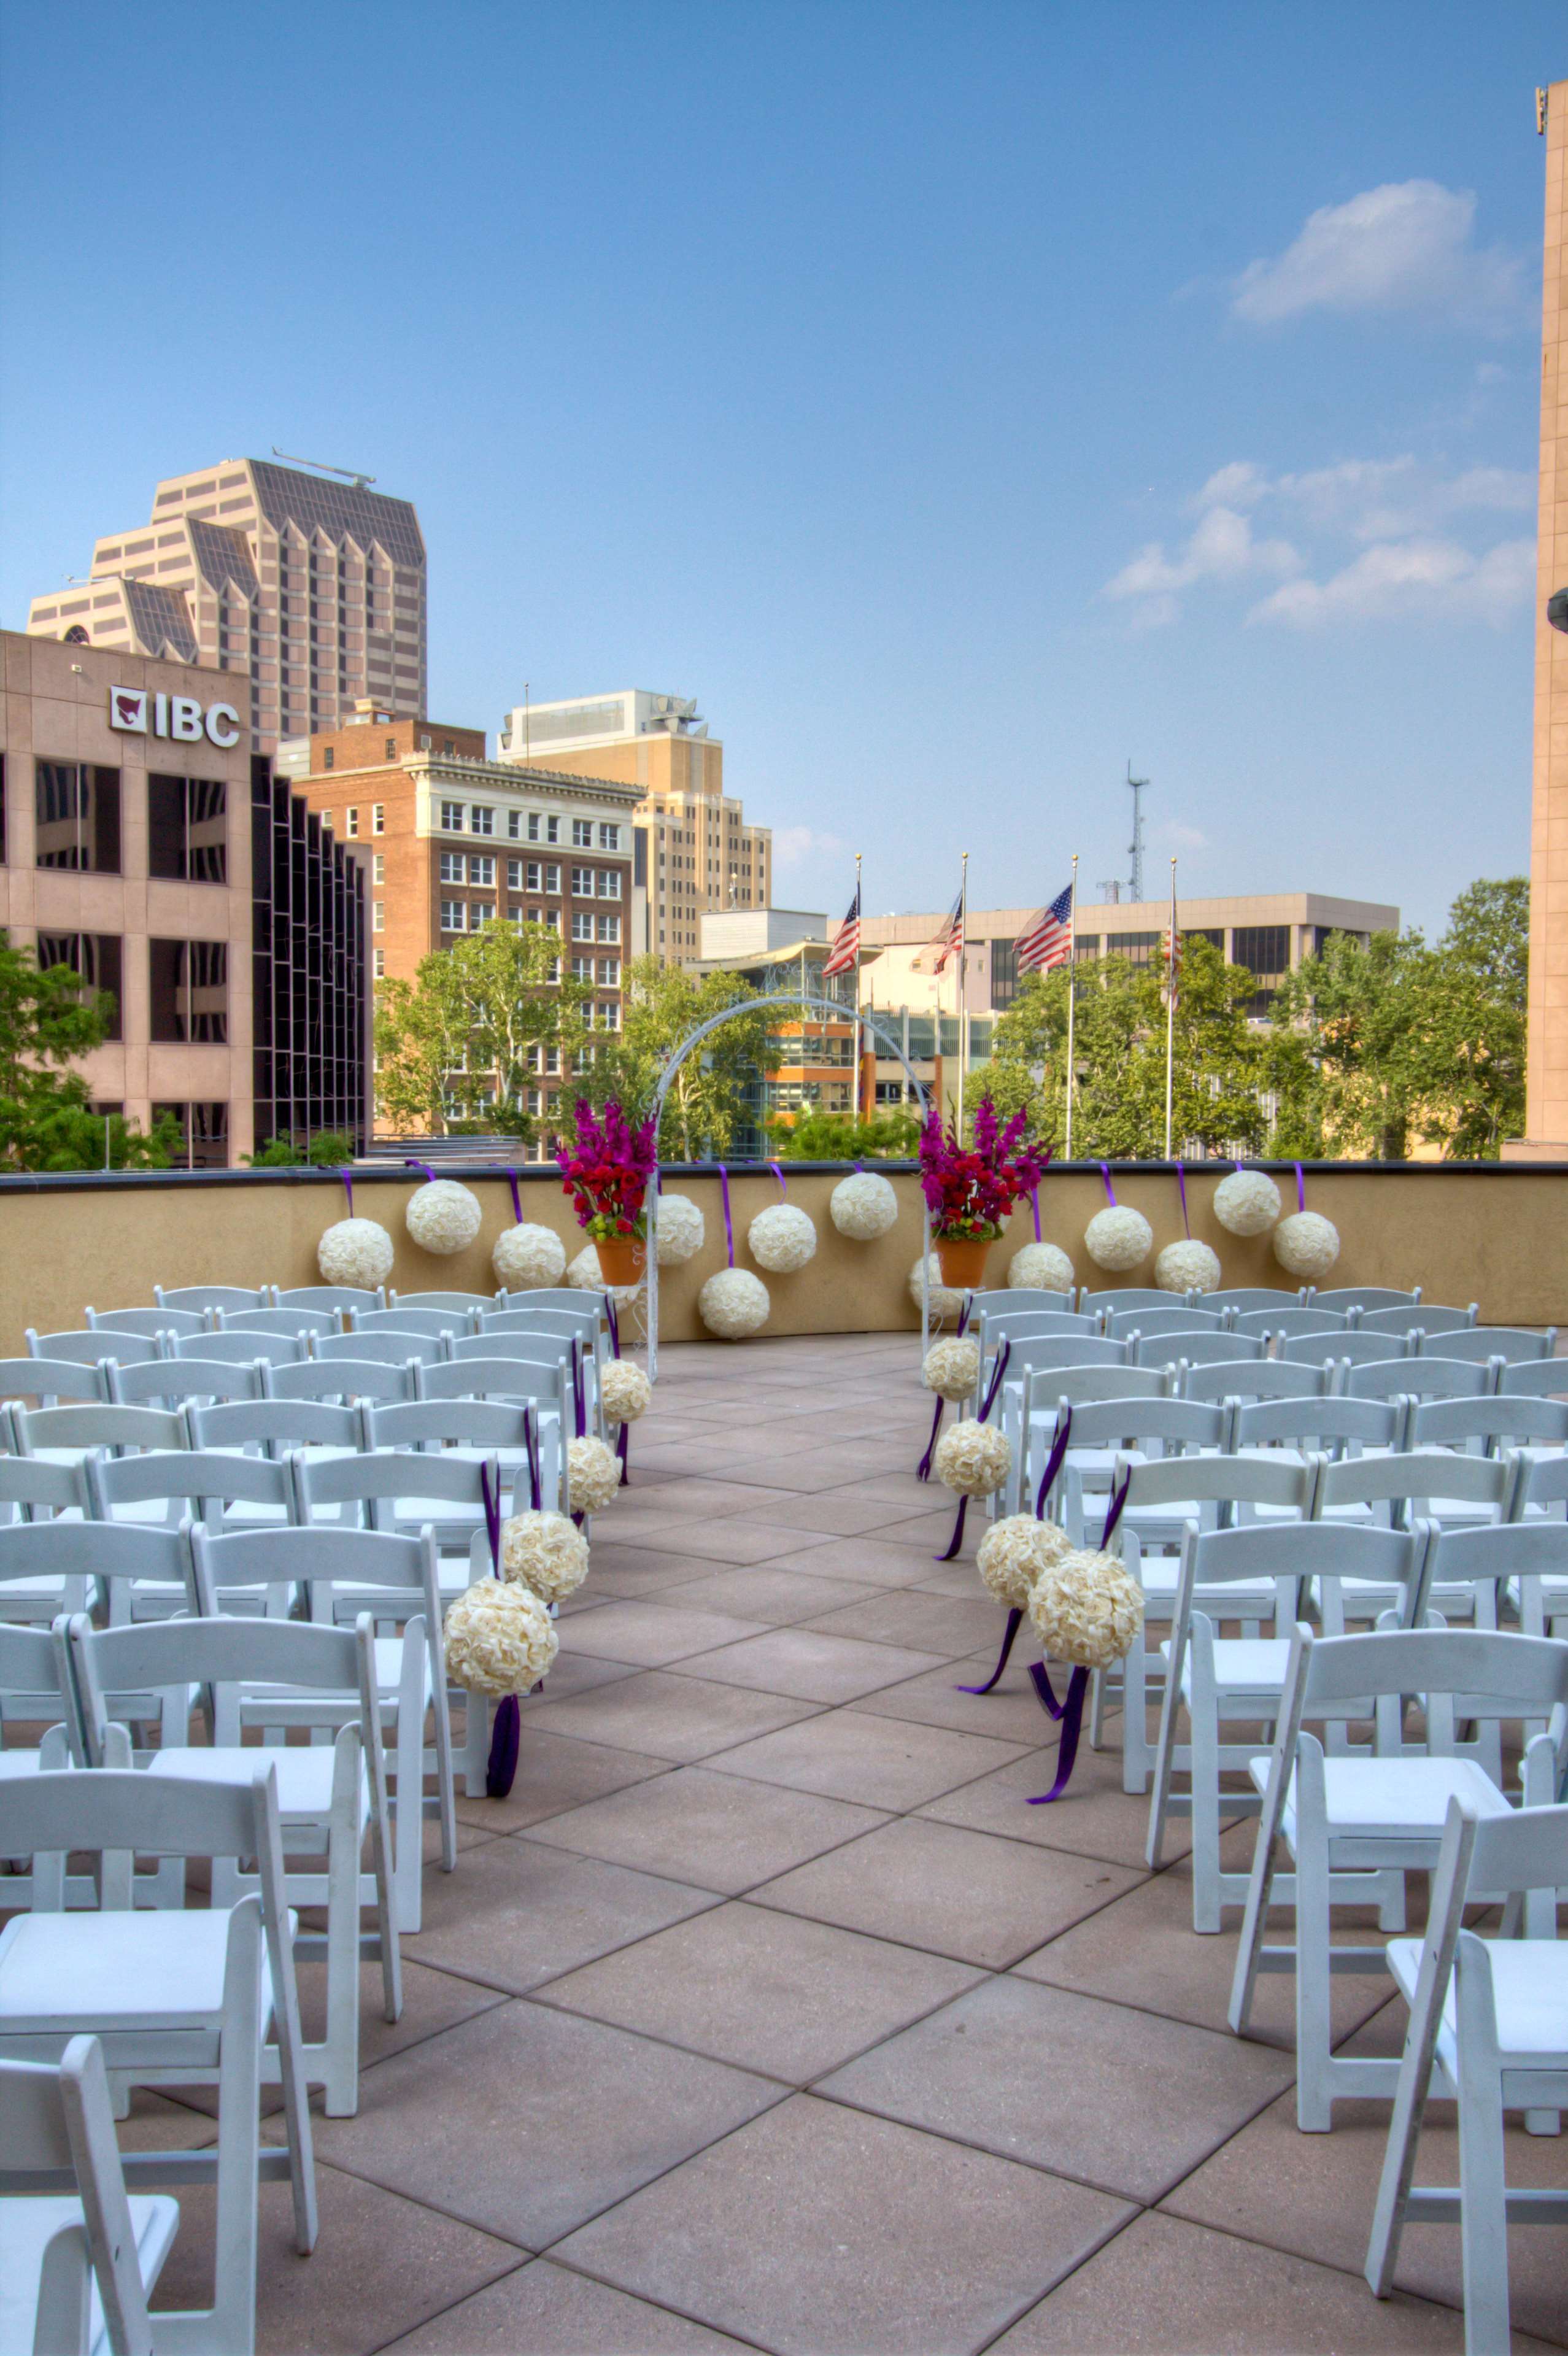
{"points": [[179, 717]]}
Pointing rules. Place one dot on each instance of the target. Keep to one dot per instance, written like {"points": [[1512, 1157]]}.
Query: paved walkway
{"points": [[765, 2013]]}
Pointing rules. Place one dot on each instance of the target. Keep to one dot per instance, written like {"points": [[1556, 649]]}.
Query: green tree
{"points": [[813, 1136], [46, 1020], [709, 1099], [465, 1029], [327, 1150]]}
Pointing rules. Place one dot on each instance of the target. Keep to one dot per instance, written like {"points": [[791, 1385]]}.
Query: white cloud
{"points": [[1221, 548], [1407, 248], [794, 845], [1184, 838], [1416, 580]]}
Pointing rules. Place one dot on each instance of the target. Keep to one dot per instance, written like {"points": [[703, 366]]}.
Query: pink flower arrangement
{"points": [[608, 1172], [972, 1189]]}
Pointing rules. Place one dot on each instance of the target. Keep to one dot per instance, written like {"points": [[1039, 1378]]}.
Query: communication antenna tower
{"points": [[1135, 848]]}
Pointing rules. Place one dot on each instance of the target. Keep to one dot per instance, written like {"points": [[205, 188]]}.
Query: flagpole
{"points": [[1170, 1011], [1072, 997], [869, 1110], [962, 954]]}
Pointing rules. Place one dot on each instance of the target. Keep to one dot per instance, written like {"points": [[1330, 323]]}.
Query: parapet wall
{"points": [[1496, 1233]]}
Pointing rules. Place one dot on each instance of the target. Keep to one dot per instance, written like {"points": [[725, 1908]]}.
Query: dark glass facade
{"points": [[310, 1008], [187, 829], [77, 808], [98, 957]]}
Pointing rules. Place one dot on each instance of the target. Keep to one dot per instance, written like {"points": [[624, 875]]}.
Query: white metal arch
{"points": [[694, 1039]]}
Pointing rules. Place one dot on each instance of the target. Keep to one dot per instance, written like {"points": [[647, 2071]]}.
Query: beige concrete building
{"points": [[143, 844], [1546, 1117], [702, 854], [312, 589]]}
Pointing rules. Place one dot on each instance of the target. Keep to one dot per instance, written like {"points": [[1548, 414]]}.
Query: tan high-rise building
{"points": [[1546, 1115], [702, 855], [311, 589]]}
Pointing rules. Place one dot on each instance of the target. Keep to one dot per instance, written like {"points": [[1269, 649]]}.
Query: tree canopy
{"points": [[47, 1020], [710, 1095], [466, 1033]]}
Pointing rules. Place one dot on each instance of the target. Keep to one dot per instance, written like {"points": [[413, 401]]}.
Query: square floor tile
{"points": [[960, 1893], [527, 2120], [778, 1594], [939, 1624], [817, 2232], [733, 1539], [629, 1571], [1010, 1712], [812, 1665], [841, 1517], [664, 1716], [874, 1560], [516, 1912], [881, 1762], [715, 1832], [550, 2311], [554, 1774], [1094, 2090], [1094, 1816], [791, 1998], [650, 1634]]}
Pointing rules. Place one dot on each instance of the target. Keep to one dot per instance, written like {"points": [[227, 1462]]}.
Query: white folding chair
{"points": [[1336, 1428], [203, 1296], [329, 1296], [1385, 1812], [274, 1426], [399, 1349], [1533, 1378], [1362, 1296], [1029, 1411], [480, 1303], [1481, 1427], [1394, 1492], [478, 1428], [1285, 1324], [48, 1380], [1117, 1297], [1540, 1490], [1245, 1299], [1419, 1378], [249, 1347], [289, 1323], [1514, 1344], [170, 1382], [1424, 1316], [33, 1489], [1341, 1345], [150, 1322], [1170, 1317], [1488, 2030], [433, 1323], [77, 2263], [65, 1435], [176, 1997], [37, 1691], [94, 1345], [223, 1490], [343, 1380]]}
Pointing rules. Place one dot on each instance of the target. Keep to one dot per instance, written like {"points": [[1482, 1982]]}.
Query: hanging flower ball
{"points": [[584, 1272], [500, 1639], [1247, 1203], [1041, 1268], [682, 1229], [863, 1207], [1016, 1552], [972, 1459], [951, 1368], [545, 1552], [444, 1217], [1187, 1267], [1118, 1239], [355, 1251], [1306, 1245], [625, 1391], [593, 1474], [527, 1255], [782, 1239], [1087, 1610], [947, 1302], [734, 1303]]}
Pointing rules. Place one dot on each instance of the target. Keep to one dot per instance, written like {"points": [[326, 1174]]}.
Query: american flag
{"points": [[1046, 939], [1171, 945], [946, 942], [846, 943]]}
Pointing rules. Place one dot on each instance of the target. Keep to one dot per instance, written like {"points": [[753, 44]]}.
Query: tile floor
{"points": [[766, 2013]]}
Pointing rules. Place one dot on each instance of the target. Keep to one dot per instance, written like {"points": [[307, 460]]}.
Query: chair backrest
{"points": [[550, 1296], [341, 1380], [1248, 1297], [995, 1325], [221, 1651], [1127, 1296], [1429, 1315], [35, 1681], [244, 1349], [51, 1378], [1331, 1343], [169, 1381], [1028, 1350], [1483, 1342], [1419, 1378], [118, 1552], [1499, 1552], [151, 1321], [275, 1426], [81, 1428], [1319, 1423], [326, 1557], [1046, 1387], [1169, 1317], [202, 1297], [33, 1489], [196, 1477], [446, 1423], [377, 1483], [479, 1302], [1297, 1551], [397, 1349], [1530, 1672], [295, 1319], [58, 2116], [1534, 1378], [1363, 1296], [1150, 1425], [1286, 1486], [122, 1811], [1450, 1423], [1541, 1481], [1194, 1346], [329, 1296], [525, 1314], [498, 1378], [1407, 1479], [535, 1345], [1260, 1378], [1284, 1323], [92, 1345], [431, 1323]]}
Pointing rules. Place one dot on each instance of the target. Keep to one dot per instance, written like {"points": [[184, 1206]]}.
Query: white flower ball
{"points": [[1247, 1203], [864, 1206], [734, 1303], [973, 1458], [1087, 1610], [1042, 1267], [1118, 1239], [355, 1251], [1306, 1245], [593, 1475], [782, 1239], [545, 1552], [947, 1302], [500, 1639], [444, 1217], [682, 1229], [527, 1255], [951, 1368], [1016, 1552], [625, 1391], [1187, 1267], [584, 1272]]}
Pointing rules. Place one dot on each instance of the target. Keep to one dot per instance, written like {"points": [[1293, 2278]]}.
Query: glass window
{"points": [[78, 812], [535, 826], [378, 817], [378, 868], [480, 912], [453, 917], [190, 990], [377, 916], [481, 871], [582, 923], [1263, 950], [380, 965], [1003, 972], [187, 829], [1138, 949], [609, 972], [329, 757], [204, 1134], [608, 928], [1213, 934], [583, 833], [514, 825], [98, 957], [484, 819], [582, 882], [451, 817], [451, 867], [351, 822], [551, 829], [551, 876], [582, 968], [610, 883], [390, 749], [610, 837]]}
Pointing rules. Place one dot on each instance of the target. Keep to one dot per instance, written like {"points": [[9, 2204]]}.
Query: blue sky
{"points": [[959, 401]]}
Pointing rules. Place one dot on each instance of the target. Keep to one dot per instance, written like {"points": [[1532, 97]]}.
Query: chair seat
{"points": [[28, 2222], [303, 1773], [1529, 1993], [1392, 1799], [1243, 1666], [162, 1969]]}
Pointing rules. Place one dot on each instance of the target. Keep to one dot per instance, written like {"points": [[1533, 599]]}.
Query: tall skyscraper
{"points": [[1546, 1117], [312, 588]]}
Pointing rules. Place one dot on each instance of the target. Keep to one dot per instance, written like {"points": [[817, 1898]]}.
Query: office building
{"points": [[810, 1065], [1546, 1114], [146, 844], [702, 854], [311, 588]]}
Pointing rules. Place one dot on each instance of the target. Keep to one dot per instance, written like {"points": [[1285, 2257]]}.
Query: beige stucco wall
{"points": [[1499, 1238]]}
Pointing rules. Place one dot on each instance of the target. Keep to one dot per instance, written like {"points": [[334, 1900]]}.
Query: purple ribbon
{"points": [[729, 1230], [923, 1469], [422, 1167], [1181, 1189], [1069, 1714], [779, 1175], [1300, 1188], [348, 1188], [1114, 1515], [963, 1315], [1034, 1206], [1054, 1463], [614, 1323], [957, 1539], [1014, 1619], [516, 1197], [491, 1497], [506, 1733], [1002, 1357], [621, 1452], [579, 1390], [1109, 1189], [531, 1442]]}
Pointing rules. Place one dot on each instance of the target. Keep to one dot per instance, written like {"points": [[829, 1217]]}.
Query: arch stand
{"points": [[834, 1014]]}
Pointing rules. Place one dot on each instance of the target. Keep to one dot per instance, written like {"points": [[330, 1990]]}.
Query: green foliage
{"points": [[468, 1027], [893, 1136], [327, 1150], [46, 1020], [708, 1100], [72, 1138]]}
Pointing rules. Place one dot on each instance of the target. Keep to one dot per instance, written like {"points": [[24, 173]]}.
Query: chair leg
{"points": [[238, 2138], [1134, 1719], [1483, 2197], [1205, 1786], [1165, 1757], [340, 2076], [1313, 1987], [1399, 2156], [409, 1816], [475, 1744]]}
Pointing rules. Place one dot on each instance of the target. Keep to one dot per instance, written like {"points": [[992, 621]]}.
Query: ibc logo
{"points": [[178, 717]]}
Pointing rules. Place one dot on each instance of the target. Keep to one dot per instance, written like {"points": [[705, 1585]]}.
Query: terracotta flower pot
{"points": [[961, 1260], [622, 1259]]}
